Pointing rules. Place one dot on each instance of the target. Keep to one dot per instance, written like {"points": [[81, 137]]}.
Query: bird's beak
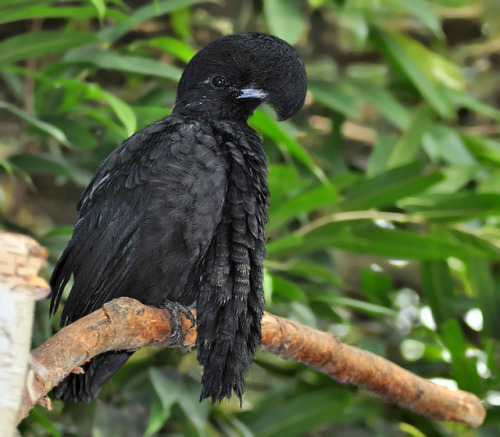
{"points": [[252, 93]]}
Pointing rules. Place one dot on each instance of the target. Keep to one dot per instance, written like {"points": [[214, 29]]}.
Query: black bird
{"points": [[176, 214]]}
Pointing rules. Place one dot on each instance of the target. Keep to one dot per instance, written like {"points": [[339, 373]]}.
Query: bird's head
{"points": [[233, 75]]}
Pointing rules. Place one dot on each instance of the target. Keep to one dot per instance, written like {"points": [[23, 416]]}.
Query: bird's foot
{"points": [[176, 311]]}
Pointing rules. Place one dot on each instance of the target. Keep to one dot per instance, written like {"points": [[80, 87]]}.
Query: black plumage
{"points": [[177, 213]]}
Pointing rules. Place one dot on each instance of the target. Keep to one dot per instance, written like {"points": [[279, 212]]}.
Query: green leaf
{"points": [[76, 91], [158, 415], [458, 207], [41, 11], [285, 19], [407, 147], [63, 231], [425, 69], [282, 180], [486, 149], [267, 285], [123, 111], [38, 415], [368, 238], [113, 420], [425, 14], [177, 48], [442, 143], [467, 101], [6, 166], [455, 178], [36, 44], [100, 6], [154, 9], [438, 287], [147, 115], [302, 313], [281, 136], [311, 271], [76, 133], [305, 413], [352, 18], [371, 239], [483, 284], [102, 116], [335, 98], [180, 20], [9, 5], [40, 164], [382, 101], [132, 64], [14, 84], [304, 202], [12, 10], [389, 187], [287, 290], [167, 397], [377, 286], [335, 300], [476, 243], [464, 368], [285, 245], [382, 152], [39, 124], [171, 387]]}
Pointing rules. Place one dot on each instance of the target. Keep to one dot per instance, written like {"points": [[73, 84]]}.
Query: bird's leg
{"points": [[176, 311]]}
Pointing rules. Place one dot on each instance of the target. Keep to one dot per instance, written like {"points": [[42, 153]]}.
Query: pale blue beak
{"points": [[251, 93]]}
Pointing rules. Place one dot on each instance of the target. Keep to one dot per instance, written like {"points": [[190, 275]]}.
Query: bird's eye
{"points": [[218, 81]]}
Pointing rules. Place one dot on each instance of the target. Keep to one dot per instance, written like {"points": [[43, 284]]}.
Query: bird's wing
{"points": [[145, 219]]}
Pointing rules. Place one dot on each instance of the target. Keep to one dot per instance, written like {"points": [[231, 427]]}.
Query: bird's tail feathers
{"points": [[60, 277], [229, 313], [86, 387]]}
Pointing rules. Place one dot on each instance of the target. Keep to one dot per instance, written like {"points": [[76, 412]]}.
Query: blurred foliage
{"points": [[384, 224]]}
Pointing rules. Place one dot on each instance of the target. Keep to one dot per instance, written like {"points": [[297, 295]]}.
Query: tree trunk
{"points": [[21, 258]]}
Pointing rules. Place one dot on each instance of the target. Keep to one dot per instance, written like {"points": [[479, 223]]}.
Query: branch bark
{"points": [[126, 324]]}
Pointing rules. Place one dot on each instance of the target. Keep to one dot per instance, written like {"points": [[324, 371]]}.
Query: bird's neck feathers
{"points": [[202, 105]]}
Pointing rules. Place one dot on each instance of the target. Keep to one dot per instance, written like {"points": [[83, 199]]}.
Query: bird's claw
{"points": [[176, 311]]}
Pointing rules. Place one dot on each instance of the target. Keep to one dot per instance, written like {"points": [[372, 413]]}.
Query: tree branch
{"points": [[126, 324], [350, 365]]}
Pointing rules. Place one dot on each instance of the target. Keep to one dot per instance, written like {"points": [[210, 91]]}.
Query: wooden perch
{"points": [[126, 324]]}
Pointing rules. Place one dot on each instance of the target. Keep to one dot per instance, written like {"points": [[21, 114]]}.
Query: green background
{"points": [[384, 221]]}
